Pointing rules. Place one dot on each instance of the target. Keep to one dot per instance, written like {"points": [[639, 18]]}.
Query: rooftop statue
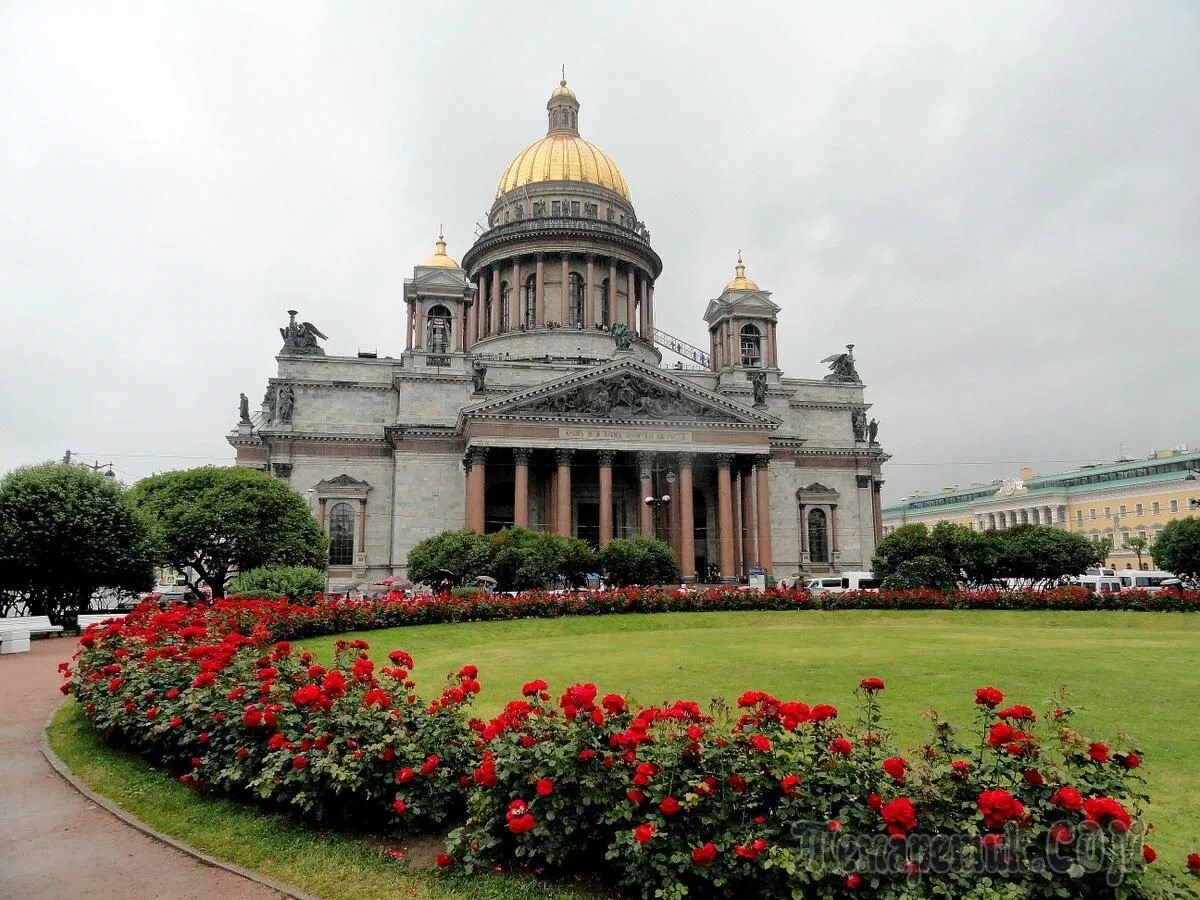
{"points": [[622, 335], [300, 339], [841, 366], [758, 383]]}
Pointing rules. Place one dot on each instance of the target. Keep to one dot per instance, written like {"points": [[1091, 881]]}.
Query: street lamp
{"points": [[658, 501]]}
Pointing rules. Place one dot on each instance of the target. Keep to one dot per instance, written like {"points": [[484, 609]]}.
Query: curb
{"points": [[133, 821]]}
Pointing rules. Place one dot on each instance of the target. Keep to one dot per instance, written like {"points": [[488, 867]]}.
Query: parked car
{"points": [[1100, 584], [1152, 581]]}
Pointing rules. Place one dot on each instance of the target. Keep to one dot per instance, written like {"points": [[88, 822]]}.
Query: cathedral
{"points": [[532, 391]]}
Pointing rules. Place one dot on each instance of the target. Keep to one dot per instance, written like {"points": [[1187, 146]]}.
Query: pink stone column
{"points": [[540, 290], [644, 324], [517, 295], [630, 298], [481, 302], [564, 302], [563, 524], [763, 499], [521, 487], [408, 338], [612, 292], [495, 298], [748, 549], [606, 520], [687, 521], [591, 304], [645, 461], [725, 517]]}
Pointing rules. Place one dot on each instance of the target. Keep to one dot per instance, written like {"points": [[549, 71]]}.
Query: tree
{"points": [[921, 572], [1138, 545], [1177, 548], [523, 560], [212, 521], [464, 553], [907, 542], [1043, 554], [296, 582], [972, 556], [66, 532], [642, 560]]}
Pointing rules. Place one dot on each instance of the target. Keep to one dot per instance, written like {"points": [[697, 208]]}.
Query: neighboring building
{"points": [[530, 391], [1124, 499]]}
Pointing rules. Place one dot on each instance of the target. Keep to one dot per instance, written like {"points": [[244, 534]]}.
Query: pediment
{"points": [[623, 391], [437, 277], [740, 302]]}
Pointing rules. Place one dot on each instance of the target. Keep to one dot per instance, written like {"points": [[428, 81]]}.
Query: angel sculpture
{"points": [[300, 338], [841, 366]]}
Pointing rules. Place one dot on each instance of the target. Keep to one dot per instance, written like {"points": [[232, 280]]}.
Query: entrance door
{"points": [[587, 522]]}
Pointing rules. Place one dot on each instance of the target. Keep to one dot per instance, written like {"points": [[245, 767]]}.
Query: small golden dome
{"points": [[740, 281], [563, 91], [439, 258]]}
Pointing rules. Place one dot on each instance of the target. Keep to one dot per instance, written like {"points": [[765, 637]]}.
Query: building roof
{"points": [[440, 259], [1126, 472]]}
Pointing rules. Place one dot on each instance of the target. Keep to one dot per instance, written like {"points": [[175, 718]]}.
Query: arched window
{"points": [[437, 330], [341, 535], [505, 306], [751, 346], [605, 315], [575, 301], [531, 301], [818, 536]]}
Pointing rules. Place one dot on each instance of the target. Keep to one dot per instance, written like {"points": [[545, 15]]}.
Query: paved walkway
{"points": [[56, 843]]}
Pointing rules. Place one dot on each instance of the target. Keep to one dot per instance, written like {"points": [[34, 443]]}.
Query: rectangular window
{"points": [[575, 207], [1123, 508], [1092, 512], [612, 215], [1079, 517], [592, 210], [520, 210], [556, 207], [1142, 533], [1138, 509], [1154, 507], [1174, 506], [1108, 512]]}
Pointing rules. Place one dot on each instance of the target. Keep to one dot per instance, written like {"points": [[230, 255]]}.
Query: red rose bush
{"points": [[765, 797]]}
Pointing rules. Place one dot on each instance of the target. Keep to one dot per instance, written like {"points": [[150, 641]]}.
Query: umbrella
{"points": [[352, 585], [486, 579], [396, 581]]}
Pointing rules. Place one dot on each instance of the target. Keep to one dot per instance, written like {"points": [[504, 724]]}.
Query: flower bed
{"points": [[771, 798]]}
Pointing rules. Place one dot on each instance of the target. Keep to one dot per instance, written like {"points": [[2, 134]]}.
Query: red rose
{"points": [[399, 806], [960, 768], [789, 783], [750, 851], [405, 775], [1060, 834], [1067, 798], [999, 807], [586, 755], [1102, 811], [644, 832], [854, 881], [635, 797], [874, 801], [1149, 854], [1098, 752], [1129, 760], [989, 697], [834, 825], [822, 712], [614, 704], [1193, 863], [911, 869], [545, 787], [444, 861], [176, 721], [841, 747], [760, 743], [1020, 713], [430, 765], [991, 840], [899, 816], [896, 766], [871, 685], [669, 806], [521, 824], [737, 784], [705, 854], [1033, 778], [534, 687]]}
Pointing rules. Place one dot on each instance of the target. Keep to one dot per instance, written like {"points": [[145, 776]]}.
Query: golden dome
{"points": [[740, 281], [439, 258], [562, 155]]}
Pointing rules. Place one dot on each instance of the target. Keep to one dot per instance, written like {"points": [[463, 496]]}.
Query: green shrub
{"points": [[296, 582], [464, 553], [469, 591], [922, 572], [642, 560]]}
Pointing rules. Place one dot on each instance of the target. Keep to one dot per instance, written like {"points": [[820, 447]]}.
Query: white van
{"points": [[1099, 584], [847, 581], [1151, 581]]}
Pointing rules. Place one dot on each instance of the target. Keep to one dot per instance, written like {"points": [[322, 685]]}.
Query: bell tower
{"points": [[741, 329], [438, 297]]}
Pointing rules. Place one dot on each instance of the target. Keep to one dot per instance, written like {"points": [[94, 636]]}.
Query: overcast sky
{"points": [[998, 204]]}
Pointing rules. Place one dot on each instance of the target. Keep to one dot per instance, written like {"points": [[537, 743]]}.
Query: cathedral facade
{"points": [[532, 391]]}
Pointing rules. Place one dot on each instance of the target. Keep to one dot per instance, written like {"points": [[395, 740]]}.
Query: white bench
{"points": [[13, 640], [32, 624], [87, 619]]}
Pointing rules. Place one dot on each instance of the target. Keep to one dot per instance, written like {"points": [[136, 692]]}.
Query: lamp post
{"points": [[659, 501]]}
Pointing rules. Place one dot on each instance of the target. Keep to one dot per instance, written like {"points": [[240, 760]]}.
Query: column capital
{"points": [[645, 461], [477, 455], [863, 481], [685, 459], [607, 457], [540, 256], [762, 461], [564, 455], [521, 455], [724, 460]]}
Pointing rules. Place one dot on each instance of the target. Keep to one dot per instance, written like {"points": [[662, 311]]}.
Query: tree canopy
{"points": [[214, 520], [463, 553], [640, 560], [1177, 548], [1030, 553], [65, 533]]}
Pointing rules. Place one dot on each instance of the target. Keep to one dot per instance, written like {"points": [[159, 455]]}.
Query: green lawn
{"points": [[1133, 672]]}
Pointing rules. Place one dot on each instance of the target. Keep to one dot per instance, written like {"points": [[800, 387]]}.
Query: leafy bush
{"points": [[920, 572], [296, 582], [525, 560], [1177, 548], [469, 592], [642, 560], [464, 553]]}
